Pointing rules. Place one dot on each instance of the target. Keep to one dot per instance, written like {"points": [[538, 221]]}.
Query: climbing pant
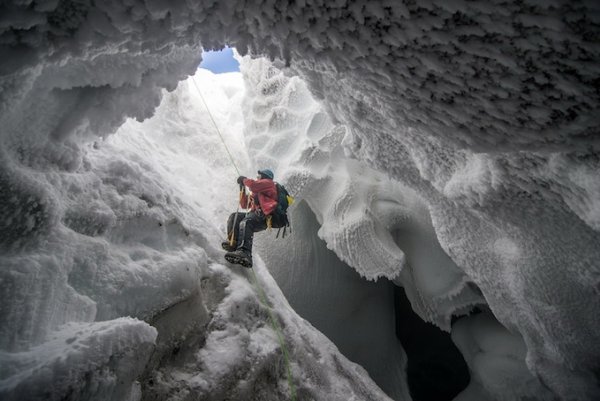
{"points": [[246, 225]]}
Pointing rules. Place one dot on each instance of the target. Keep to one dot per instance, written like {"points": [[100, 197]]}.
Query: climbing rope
{"points": [[231, 235], [261, 293], [277, 329], [216, 127]]}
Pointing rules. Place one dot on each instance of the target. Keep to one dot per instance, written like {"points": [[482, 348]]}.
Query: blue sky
{"points": [[219, 61]]}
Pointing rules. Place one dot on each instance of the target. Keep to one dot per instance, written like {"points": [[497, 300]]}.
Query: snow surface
{"points": [[455, 153]]}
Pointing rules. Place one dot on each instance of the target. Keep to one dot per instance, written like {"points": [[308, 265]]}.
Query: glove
{"points": [[240, 180]]}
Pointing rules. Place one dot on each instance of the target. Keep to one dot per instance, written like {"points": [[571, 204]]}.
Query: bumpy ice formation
{"points": [[455, 154]]}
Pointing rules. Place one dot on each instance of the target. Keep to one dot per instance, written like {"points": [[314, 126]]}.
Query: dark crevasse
{"points": [[436, 370]]}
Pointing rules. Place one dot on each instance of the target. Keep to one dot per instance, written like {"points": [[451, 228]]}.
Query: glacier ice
{"points": [[136, 237], [450, 147], [496, 359]]}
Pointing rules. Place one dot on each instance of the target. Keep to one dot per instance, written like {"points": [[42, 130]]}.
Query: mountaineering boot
{"points": [[227, 246], [239, 257]]}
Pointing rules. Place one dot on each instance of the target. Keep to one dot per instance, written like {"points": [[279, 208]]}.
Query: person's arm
{"points": [[244, 203]]}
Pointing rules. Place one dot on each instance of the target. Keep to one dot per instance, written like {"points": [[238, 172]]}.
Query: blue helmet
{"points": [[266, 173]]}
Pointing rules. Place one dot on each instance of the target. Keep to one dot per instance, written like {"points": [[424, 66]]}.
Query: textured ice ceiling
{"points": [[483, 113]]}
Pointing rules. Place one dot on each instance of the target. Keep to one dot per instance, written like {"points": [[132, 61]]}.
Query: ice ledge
{"points": [[91, 361]]}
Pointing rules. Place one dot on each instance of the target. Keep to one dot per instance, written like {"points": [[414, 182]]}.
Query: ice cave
{"points": [[444, 156]]}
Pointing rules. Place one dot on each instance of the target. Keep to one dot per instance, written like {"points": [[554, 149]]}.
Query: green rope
{"points": [[278, 331], [261, 293]]}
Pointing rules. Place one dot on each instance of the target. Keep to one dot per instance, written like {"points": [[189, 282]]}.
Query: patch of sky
{"points": [[220, 61]]}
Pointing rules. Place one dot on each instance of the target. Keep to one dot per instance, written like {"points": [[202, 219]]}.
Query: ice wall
{"points": [[360, 215], [137, 219], [487, 111], [376, 225], [357, 315]]}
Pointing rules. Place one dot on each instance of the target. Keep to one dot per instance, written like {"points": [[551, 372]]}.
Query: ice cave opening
{"points": [[445, 159], [435, 368]]}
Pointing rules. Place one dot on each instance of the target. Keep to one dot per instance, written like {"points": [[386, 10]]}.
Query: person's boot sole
{"points": [[238, 260]]}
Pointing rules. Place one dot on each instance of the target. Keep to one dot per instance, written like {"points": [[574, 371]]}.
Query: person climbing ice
{"points": [[262, 202]]}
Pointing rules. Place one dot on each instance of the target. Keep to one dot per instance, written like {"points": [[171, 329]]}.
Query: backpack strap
{"points": [[285, 227]]}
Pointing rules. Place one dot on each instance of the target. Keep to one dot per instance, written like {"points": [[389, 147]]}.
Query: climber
{"points": [[242, 226]]}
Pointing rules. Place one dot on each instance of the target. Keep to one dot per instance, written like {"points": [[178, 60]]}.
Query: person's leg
{"points": [[230, 224], [233, 230], [251, 224], [248, 226]]}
